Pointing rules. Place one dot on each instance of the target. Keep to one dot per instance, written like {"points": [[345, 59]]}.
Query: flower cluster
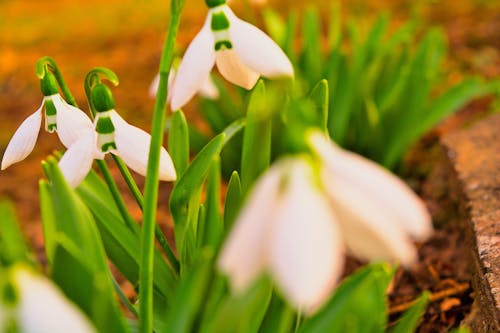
{"points": [[85, 140], [301, 217]]}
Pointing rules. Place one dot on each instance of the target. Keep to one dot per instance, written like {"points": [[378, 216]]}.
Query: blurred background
{"points": [[126, 36]]}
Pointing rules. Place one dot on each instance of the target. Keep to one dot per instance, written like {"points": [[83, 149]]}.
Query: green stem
{"points": [[151, 188], [92, 78], [47, 63], [160, 236], [115, 192], [123, 298]]}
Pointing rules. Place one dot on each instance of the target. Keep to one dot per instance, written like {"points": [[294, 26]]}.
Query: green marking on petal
{"points": [[107, 146], [50, 109], [10, 295], [219, 21], [223, 45], [104, 125], [214, 3], [51, 128], [105, 142]]}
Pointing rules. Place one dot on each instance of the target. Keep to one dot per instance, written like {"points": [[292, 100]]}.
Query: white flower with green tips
{"points": [[68, 121], [297, 222], [35, 305], [111, 134], [241, 52]]}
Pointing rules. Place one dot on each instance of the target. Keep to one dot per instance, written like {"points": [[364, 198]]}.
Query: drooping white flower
{"points": [[241, 52], [68, 121], [288, 229], [111, 133], [287, 221], [41, 307], [377, 212], [208, 89]]}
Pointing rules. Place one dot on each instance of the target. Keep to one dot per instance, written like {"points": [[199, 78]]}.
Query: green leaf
{"points": [[444, 105], [311, 58], [122, 244], [48, 219], [178, 142], [13, 248], [186, 194], [319, 96], [213, 230], [242, 313], [256, 151], [86, 287], [410, 319], [78, 251], [358, 305], [190, 296], [279, 317], [233, 201]]}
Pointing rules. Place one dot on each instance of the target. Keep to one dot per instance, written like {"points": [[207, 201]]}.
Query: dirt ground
{"points": [[126, 36]]}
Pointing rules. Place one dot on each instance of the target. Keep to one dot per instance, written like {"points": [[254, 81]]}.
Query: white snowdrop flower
{"points": [[241, 52], [296, 230], [68, 121], [112, 134], [208, 89], [377, 212], [288, 229], [40, 307]]}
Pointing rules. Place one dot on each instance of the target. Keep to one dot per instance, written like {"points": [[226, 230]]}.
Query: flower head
{"points": [[111, 134], [68, 121], [36, 305], [296, 223], [241, 52], [288, 229]]}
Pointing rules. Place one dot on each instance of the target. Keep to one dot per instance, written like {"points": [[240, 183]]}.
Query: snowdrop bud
{"points": [[48, 84], [102, 98], [214, 3]]}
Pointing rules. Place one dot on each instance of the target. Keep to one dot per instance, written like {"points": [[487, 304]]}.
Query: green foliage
{"points": [[411, 318], [77, 257], [13, 248], [386, 87], [358, 305]]}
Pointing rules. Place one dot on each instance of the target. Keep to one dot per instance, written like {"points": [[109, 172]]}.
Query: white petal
{"points": [[307, 255], [23, 140], [234, 70], [243, 255], [194, 68], [72, 123], [77, 161], [209, 89], [256, 49], [153, 87], [370, 232], [44, 308], [384, 189], [132, 145]]}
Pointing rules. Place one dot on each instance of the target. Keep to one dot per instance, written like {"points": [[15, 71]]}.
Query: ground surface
{"points": [[126, 36]]}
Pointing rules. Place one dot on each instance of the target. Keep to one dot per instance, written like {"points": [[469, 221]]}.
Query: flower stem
{"points": [[151, 188], [160, 236], [47, 63]]}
